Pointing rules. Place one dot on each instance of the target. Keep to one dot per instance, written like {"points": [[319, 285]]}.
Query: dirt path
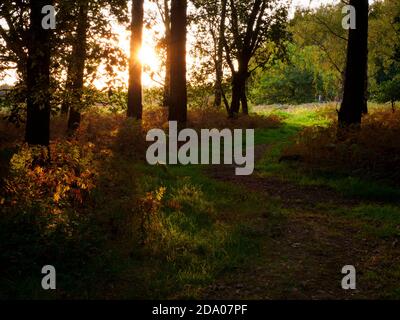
{"points": [[302, 253]]}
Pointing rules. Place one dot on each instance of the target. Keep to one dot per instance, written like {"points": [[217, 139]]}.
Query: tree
{"points": [[384, 59], [322, 28], [178, 89], [296, 79], [354, 102], [167, 26], [14, 35], [38, 78], [210, 21], [135, 106], [219, 60], [76, 71], [98, 49], [164, 10], [250, 25]]}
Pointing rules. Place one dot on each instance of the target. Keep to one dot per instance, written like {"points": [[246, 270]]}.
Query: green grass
{"points": [[380, 220], [209, 234], [211, 231], [278, 139], [214, 231]]}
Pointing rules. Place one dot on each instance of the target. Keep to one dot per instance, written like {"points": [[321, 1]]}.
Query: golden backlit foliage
{"points": [[371, 150], [52, 189], [58, 182]]}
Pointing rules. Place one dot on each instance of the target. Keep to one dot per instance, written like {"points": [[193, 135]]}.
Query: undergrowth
{"points": [[91, 207]]}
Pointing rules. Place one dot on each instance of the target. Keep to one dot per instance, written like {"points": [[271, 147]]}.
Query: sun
{"points": [[152, 63], [148, 57]]}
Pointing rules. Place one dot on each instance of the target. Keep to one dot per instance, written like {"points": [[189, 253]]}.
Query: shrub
{"points": [[44, 217], [372, 150]]}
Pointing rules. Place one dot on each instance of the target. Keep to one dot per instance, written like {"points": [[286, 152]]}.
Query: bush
{"points": [[372, 150], [45, 218]]}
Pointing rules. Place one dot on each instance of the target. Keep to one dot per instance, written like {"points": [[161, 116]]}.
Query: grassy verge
{"points": [[279, 139], [136, 231], [203, 228]]}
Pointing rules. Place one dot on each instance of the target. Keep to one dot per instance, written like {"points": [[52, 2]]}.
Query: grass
{"points": [[206, 236], [215, 231], [142, 231], [382, 221], [163, 232], [279, 139]]}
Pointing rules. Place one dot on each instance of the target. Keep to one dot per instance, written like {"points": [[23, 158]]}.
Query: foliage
{"points": [[373, 150], [389, 90], [53, 187], [316, 57], [297, 80], [45, 216]]}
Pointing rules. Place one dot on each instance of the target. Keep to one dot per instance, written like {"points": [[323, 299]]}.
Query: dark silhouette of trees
{"points": [[210, 21], [38, 78], [219, 61], [164, 9], [81, 25], [76, 69], [354, 102], [167, 79], [178, 89], [135, 107], [251, 25]]}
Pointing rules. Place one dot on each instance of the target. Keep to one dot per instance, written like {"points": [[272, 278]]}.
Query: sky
{"points": [[149, 56]]}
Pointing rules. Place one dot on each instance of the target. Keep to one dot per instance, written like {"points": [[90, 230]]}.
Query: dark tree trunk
{"points": [[68, 87], [178, 90], [38, 78], [354, 102], [76, 70], [236, 95], [245, 105], [220, 57], [65, 105], [135, 104], [78, 67], [239, 90], [167, 80], [218, 85]]}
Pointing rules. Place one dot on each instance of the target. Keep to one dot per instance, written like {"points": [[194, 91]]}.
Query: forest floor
{"points": [[312, 234], [201, 232], [292, 232], [305, 246]]}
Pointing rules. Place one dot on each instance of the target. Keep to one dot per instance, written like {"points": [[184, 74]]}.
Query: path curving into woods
{"points": [[303, 250]]}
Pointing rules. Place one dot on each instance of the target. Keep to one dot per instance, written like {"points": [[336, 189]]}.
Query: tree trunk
{"points": [[220, 56], [239, 91], [236, 95], [354, 102], [76, 70], [245, 105], [167, 80], [135, 106], [178, 90], [38, 78], [218, 85]]}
